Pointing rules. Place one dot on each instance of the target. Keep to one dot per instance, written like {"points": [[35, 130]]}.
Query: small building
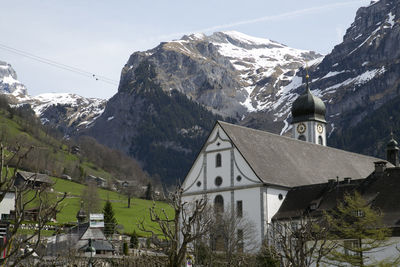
{"points": [[34, 180], [77, 238], [100, 182]]}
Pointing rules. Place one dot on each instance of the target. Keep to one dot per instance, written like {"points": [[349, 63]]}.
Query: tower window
{"points": [[239, 208], [218, 160], [302, 138], [320, 140]]}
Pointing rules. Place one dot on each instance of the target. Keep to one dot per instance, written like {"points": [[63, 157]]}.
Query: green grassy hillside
{"points": [[127, 217], [53, 153]]}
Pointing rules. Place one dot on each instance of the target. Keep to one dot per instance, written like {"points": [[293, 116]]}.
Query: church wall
{"points": [[251, 199], [224, 171], [195, 175], [273, 201], [242, 169]]}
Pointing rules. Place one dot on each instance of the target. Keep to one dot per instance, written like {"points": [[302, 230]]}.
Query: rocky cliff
{"points": [[363, 72], [231, 73], [163, 130]]}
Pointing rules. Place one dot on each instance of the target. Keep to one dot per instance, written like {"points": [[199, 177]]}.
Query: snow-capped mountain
{"points": [[68, 112], [229, 72], [8, 81]]}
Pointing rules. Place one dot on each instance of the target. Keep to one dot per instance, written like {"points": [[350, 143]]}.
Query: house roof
{"points": [[381, 190], [103, 245], [299, 199], [38, 177], [279, 160]]}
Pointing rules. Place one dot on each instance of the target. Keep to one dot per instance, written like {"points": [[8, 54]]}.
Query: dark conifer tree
{"points": [[110, 222]]}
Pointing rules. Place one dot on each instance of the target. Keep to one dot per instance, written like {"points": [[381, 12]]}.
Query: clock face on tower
{"points": [[301, 128], [320, 128]]}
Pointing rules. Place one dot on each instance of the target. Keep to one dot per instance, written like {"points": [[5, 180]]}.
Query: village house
{"points": [[35, 180], [100, 182]]}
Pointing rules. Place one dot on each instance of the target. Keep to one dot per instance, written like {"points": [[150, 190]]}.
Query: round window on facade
{"points": [[218, 181], [280, 196], [198, 183], [238, 178]]}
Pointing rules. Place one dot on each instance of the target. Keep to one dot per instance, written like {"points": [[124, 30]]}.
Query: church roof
{"points": [[279, 160]]}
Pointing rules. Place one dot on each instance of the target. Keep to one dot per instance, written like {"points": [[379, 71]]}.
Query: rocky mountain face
{"points": [[67, 112], [163, 130], [231, 73], [363, 72]]}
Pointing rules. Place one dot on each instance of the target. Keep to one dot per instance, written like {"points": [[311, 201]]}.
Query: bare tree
{"points": [[25, 195], [301, 242], [187, 224], [233, 236], [90, 198]]}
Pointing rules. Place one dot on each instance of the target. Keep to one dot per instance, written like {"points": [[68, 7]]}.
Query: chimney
{"points": [[380, 167]]}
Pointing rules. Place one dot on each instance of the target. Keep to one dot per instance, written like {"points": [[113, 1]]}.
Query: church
{"points": [[249, 172]]}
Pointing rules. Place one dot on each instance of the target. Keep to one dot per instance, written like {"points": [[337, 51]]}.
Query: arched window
{"points": [[302, 138], [218, 160], [320, 140], [219, 204]]}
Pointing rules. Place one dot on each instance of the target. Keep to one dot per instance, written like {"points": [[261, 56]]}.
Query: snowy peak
{"points": [[229, 72], [68, 112], [8, 81], [242, 40]]}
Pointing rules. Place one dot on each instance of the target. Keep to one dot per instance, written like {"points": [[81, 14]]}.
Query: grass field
{"points": [[126, 217]]}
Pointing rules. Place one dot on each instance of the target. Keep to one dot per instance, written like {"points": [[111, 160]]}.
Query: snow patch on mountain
{"points": [[257, 59]]}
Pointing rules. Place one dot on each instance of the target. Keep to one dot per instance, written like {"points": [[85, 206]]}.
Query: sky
{"points": [[98, 36]]}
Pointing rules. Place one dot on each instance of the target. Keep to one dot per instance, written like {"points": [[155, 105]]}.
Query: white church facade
{"points": [[249, 172]]}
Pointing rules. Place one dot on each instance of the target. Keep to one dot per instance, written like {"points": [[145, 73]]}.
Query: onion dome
{"points": [[308, 107]]}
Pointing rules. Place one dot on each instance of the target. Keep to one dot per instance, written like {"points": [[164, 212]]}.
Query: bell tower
{"points": [[308, 118]]}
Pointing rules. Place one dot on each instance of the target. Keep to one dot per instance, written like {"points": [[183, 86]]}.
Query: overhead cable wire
{"points": [[59, 65]]}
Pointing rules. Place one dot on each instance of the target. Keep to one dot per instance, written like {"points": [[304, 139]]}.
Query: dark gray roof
{"points": [[381, 190], [284, 161], [39, 177], [103, 245]]}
